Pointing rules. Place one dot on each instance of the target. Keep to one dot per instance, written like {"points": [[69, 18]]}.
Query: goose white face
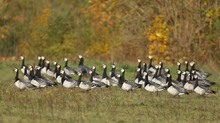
{"points": [[192, 63], [193, 71], [156, 66], [79, 74], [22, 57], [39, 58], [178, 72], [159, 66], [119, 76], [47, 62], [54, 63], [138, 69], [80, 56], [186, 62], [62, 72], [150, 57], [144, 64], [58, 66], [42, 57], [90, 72], [160, 63], [168, 75], [104, 66], [93, 67], [113, 66], [166, 70], [15, 69], [184, 73], [122, 70], [195, 76], [65, 59], [178, 63], [139, 60]]}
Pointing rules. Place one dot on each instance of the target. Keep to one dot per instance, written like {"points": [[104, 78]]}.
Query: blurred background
{"points": [[169, 30]]}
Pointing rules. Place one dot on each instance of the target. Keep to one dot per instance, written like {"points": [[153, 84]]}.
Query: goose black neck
{"points": [[179, 67], [81, 61], [145, 68], [22, 63], [187, 67], [66, 63], [16, 76], [91, 77], [43, 63], [169, 81], [146, 81], [192, 67], [139, 65], [159, 73], [138, 76], [104, 75], [40, 62], [123, 76], [112, 72], [196, 83], [48, 66], [32, 74], [79, 79], [155, 75], [178, 77], [120, 82], [150, 63]]}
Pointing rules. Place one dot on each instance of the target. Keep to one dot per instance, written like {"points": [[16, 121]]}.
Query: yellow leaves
{"points": [[158, 34]]}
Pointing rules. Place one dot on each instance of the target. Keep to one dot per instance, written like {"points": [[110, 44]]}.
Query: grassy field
{"points": [[58, 104]]}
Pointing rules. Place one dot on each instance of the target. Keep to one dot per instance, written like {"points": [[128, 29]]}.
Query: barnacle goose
{"points": [[19, 83], [66, 82], [47, 80], [158, 79], [172, 89], [139, 78], [201, 74], [97, 81], [96, 77], [107, 80], [49, 71], [85, 85], [151, 87], [23, 64], [36, 81], [69, 70], [201, 90], [139, 64], [151, 68], [81, 67], [178, 66], [125, 84]]}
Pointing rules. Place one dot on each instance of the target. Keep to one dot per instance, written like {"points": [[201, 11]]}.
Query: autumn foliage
{"points": [[112, 30]]}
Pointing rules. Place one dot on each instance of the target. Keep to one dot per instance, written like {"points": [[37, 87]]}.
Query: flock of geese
{"points": [[152, 78]]}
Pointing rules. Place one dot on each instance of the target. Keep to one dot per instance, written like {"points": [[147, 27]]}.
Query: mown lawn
{"points": [[58, 104]]}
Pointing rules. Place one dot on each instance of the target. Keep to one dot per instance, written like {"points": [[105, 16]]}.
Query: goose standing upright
{"points": [[69, 70], [81, 67], [23, 64], [151, 68], [107, 80]]}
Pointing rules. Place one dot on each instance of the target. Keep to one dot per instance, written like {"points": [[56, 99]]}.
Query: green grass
{"points": [[58, 104]]}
